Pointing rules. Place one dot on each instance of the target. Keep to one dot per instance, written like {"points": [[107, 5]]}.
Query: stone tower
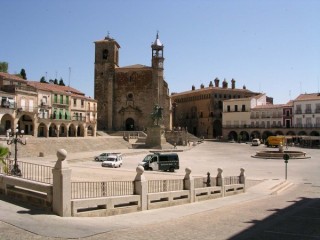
{"points": [[106, 62], [157, 68]]}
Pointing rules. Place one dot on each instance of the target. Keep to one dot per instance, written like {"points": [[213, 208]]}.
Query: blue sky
{"points": [[271, 46]]}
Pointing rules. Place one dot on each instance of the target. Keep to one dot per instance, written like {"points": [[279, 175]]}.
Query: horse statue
{"points": [[156, 115]]}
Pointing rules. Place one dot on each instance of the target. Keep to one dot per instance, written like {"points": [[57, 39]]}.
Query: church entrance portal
{"points": [[129, 124]]}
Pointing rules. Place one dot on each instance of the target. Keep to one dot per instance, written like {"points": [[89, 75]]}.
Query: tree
{"points": [[23, 74], [55, 81], [43, 80], [61, 83], [4, 67], [4, 152]]}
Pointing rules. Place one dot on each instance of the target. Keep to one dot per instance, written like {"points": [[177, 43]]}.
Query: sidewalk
{"points": [[49, 225]]}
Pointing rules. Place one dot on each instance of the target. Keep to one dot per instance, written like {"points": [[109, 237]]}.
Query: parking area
{"points": [[205, 157]]}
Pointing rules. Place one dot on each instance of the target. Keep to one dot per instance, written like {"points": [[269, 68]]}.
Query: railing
{"points": [[155, 186], [231, 180], [81, 190], [30, 171], [203, 182]]}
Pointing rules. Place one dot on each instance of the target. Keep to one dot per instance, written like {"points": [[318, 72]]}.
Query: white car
{"points": [[255, 142], [114, 161]]}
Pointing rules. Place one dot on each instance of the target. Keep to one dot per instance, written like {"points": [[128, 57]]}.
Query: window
{"points": [[67, 99], [82, 103], [74, 102], [61, 99], [236, 108], [55, 99], [130, 97], [308, 108], [298, 109], [309, 122], [228, 108], [243, 109], [105, 54]]}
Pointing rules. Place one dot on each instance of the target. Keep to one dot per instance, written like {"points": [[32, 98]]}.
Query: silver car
{"points": [[103, 156]]}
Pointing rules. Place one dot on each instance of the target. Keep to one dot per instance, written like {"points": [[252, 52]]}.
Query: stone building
{"points": [[127, 95], [200, 110]]}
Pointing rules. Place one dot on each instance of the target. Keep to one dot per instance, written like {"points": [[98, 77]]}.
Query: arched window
{"points": [[105, 54]]}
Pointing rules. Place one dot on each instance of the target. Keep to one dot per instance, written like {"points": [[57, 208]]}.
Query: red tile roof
{"points": [[308, 96], [54, 88], [8, 76]]}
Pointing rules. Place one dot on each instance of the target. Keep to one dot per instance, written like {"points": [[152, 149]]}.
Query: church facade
{"points": [[126, 96]]}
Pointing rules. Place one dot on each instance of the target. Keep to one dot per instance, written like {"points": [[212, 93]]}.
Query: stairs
{"points": [[282, 186], [49, 146]]}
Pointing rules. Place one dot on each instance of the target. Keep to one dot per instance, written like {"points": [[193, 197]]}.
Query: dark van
{"points": [[161, 161]]}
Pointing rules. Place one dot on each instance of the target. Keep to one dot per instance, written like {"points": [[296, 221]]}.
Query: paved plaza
{"points": [[256, 214]]}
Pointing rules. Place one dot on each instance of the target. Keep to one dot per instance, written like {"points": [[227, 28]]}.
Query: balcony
{"points": [[298, 111]]}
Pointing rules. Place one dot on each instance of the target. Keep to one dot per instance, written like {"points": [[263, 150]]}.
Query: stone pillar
{"points": [[141, 187], [220, 181], [189, 184], [61, 203], [242, 178]]}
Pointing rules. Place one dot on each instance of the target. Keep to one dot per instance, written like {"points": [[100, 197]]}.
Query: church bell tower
{"points": [[106, 61], [157, 66]]}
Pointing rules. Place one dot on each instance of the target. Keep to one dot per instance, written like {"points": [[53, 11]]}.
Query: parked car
{"points": [[103, 156], [255, 142], [113, 160]]}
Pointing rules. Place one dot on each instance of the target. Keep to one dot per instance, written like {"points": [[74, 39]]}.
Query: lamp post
{"points": [[15, 138]]}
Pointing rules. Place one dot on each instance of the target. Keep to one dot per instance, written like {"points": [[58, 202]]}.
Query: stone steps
{"points": [[49, 146]]}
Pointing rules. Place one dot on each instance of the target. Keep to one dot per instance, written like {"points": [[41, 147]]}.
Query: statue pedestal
{"points": [[155, 137]]}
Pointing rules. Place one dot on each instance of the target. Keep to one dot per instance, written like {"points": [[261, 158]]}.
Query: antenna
{"points": [[289, 94], [46, 76], [300, 88], [69, 76]]}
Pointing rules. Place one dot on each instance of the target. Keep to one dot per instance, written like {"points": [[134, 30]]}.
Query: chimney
{"points": [[216, 82], [224, 84], [233, 83], [201, 86], [244, 87], [210, 84], [193, 88]]}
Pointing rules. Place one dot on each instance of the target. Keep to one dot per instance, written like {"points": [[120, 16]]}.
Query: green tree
{"points": [[55, 81], [4, 67], [43, 80], [61, 83], [23, 74], [4, 152]]}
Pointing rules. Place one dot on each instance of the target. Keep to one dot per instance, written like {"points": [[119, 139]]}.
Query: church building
{"points": [[127, 95]]}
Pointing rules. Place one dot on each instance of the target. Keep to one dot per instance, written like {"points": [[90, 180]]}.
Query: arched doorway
{"points": [[129, 124], [255, 134], [42, 130], [232, 136], [243, 136]]}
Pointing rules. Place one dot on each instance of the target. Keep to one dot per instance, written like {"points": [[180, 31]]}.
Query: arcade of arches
{"points": [[46, 128], [247, 135]]}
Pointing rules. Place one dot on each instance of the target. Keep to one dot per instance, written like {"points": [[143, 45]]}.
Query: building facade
{"points": [[44, 109], [299, 117], [127, 95], [200, 110]]}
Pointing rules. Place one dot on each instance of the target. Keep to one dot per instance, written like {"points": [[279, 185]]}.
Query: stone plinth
{"points": [[155, 137]]}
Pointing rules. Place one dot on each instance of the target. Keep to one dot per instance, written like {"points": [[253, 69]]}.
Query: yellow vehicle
{"points": [[275, 141]]}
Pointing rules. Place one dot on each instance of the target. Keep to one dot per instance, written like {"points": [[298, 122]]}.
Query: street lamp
{"points": [[15, 138]]}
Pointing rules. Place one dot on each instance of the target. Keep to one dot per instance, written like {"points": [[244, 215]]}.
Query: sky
{"points": [[270, 46]]}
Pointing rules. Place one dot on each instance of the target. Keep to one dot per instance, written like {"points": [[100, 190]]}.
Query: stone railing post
{"points": [[242, 178], [61, 202], [141, 187], [220, 181], [189, 184]]}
